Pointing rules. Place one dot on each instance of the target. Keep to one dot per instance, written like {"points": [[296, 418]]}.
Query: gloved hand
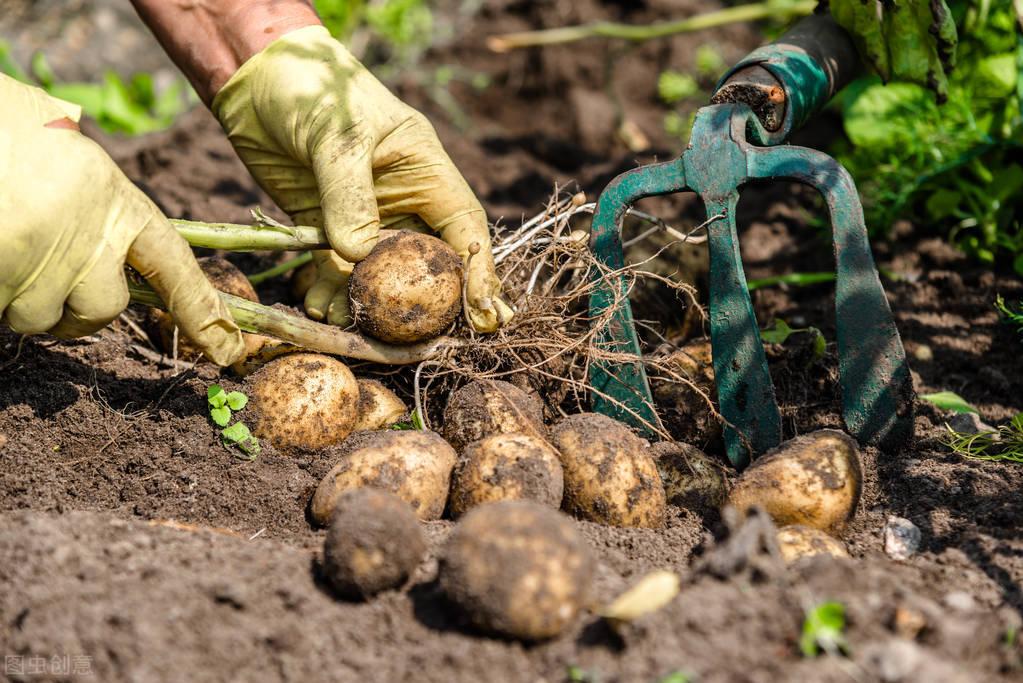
{"points": [[335, 149], [70, 221]]}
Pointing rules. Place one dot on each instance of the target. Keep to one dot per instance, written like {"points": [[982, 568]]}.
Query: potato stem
{"points": [[257, 318]]}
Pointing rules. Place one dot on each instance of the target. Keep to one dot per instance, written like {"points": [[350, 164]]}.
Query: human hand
{"points": [[71, 222]]}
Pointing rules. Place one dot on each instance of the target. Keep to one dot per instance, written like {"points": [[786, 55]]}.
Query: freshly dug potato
{"points": [[506, 467], [685, 412], [379, 407], [797, 541], [414, 465], [517, 569], [373, 544], [303, 400], [814, 480], [226, 277], [487, 407], [408, 289], [691, 479], [610, 475]]}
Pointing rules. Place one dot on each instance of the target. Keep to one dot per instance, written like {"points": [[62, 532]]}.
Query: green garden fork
{"points": [[737, 139]]}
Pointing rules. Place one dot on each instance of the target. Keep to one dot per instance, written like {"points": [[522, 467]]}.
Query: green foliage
{"points": [[1012, 315], [780, 331], [131, 107], [953, 167], [948, 400], [675, 677], [1004, 443], [414, 423], [823, 629], [576, 674], [221, 405], [402, 27], [675, 86]]}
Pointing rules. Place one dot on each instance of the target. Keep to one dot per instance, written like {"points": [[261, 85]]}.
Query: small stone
{"points": [[961, 601], [901, 538], [3, 439], [923, 353], [969, 423], [895, 660], [908, 622]]}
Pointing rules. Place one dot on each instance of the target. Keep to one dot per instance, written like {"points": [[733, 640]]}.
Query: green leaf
{"points": [[88, 96], [9, 66], [709, 62], [674, 86], [216, 395], [882, 115], [42, 71], [996, 75], [947, 400], [237, 400], [675, 677], [777, 333], [236, 433], [822, 629], [221, 415], [820, 344]]}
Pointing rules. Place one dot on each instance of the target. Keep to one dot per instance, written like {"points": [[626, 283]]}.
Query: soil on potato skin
{"points": [[99, 447]]}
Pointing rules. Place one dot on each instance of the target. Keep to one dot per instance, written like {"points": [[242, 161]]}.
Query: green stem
{"points": [[259, 319], [604, 29], [797, 279], [232, 237], [281, 268]]}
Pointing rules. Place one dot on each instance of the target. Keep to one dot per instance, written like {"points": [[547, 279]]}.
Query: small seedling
{"points": [[1012, 315], [1002, 444], [823, 630], [222, 404], [949, 400], [577, 674], [780, 331], [675, 677], [414, 422]]}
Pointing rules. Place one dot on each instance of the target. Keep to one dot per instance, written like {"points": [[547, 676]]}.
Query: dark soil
{"points": [[131, 536]]}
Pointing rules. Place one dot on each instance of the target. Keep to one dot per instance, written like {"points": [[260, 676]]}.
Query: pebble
{"points": [[901, 538], [923, 353], [961, 601], [895, 660], [969, 423], [3, 439]]}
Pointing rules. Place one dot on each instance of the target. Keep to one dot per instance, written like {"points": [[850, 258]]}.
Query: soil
{"points": [[130, 536]]}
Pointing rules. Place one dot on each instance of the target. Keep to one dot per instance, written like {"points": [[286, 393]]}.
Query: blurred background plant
{"points": [[130, 106], [954, 168]]}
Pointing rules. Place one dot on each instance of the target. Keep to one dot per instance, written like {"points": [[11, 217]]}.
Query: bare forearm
{"points": [[210, 39]]}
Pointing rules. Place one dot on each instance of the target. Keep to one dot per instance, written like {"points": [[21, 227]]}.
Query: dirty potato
{"points": [[407, 290], [691, 479], [226, 277], [797, 541], [379, 407], [516, 569], [610, 475], [813, 480], [487, 407], [686, 413], [374, 543], [414, 465], [303, 400], [506, 467]]}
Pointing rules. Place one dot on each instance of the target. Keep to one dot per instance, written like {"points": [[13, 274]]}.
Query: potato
{"points": [[487, 407], [506, 467], [610, 475], [407, 290], [373, 544], [813, 480], [516, 569], [226, 277], [798, 541], [691, 479], [414, 465], [303, 400], [685, 412], [379, 407]]}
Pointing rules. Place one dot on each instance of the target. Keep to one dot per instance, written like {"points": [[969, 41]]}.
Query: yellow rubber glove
{"points": [[70, 220], [334, 148]]}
